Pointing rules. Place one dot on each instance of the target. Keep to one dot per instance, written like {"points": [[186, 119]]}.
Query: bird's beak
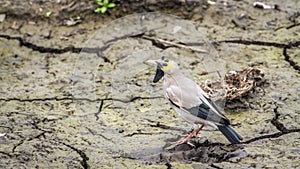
{"points": [[159, 73], [151, 62]]}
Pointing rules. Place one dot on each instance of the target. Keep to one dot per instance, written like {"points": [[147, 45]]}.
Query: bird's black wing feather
{"points": [[205, 112]]}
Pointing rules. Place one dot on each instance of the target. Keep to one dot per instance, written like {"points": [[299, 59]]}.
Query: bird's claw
{"points": [[191, 144], [186, 139]]}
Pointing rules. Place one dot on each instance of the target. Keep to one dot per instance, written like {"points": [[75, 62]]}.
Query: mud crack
{"points": [[35, 123], [293, 19], [279, 126], [81, 153], [158, 124], [39, 99], [101, 135], [138, 133], [42, 49], [293, 25], [287, 58], [42, 134], [258, 43], [276, 123], [6, 154], [99, 110], [274, 135], [17, 145], [78, 99], [72, 49]]}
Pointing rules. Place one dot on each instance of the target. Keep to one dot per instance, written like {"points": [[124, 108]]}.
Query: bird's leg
{"points": [[198, 130], [185, 135], [189, 136]]}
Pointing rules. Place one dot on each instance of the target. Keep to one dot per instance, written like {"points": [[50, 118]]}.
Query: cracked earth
{"points": [[81, 96]]}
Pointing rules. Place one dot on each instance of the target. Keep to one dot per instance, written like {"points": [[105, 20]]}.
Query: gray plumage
{"points": [[190, 101]]}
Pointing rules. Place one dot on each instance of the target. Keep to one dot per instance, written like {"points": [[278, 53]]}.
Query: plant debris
{"points": [[73, 21], [237, 84], [264, 6]]}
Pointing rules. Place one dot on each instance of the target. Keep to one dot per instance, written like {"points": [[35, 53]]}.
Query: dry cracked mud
{"points": [[81, 96]]}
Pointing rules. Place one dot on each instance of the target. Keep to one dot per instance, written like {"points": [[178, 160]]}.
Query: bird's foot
{"points": [[186, 139]]}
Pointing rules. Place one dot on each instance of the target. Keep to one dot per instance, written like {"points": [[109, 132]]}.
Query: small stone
{"points": [[2, 17], [46, 33], [48, 14], [16, 25]]}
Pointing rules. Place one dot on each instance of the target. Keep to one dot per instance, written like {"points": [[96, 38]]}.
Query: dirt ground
{"points": [[76, 93]]}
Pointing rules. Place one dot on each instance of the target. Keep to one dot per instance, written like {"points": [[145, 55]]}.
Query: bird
{"points": [[191, 102]]}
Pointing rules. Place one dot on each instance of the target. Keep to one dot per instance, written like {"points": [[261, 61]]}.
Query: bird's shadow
{"points": [[203, 151]]}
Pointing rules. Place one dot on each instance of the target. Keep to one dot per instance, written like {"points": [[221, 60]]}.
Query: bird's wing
{"points": [[180, 98], [196, 104], [209, 111]]}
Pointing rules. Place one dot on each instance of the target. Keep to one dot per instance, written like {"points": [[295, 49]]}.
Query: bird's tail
{"points": [[230, 134]]}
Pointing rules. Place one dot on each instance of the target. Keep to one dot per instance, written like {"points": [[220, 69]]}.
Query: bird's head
{"points": [[163, 66]]}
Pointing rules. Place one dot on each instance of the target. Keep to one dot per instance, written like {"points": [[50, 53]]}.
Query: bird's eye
{"points": [[164, 59], [165, 64]]}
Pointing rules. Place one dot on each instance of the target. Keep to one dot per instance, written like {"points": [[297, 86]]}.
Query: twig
{"points": [[175, 44]]}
